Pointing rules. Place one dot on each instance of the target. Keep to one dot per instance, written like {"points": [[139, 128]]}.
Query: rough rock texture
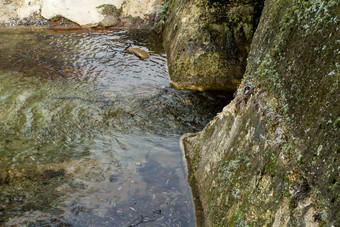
{"points": [[84, 13], [17, 8], [207, 41], [141, 8], [78, 11], [272, 156]]}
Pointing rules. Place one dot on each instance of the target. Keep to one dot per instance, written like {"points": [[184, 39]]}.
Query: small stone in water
{"points": [[113, 178], [142, 54], [158, 211], [53, 173]]}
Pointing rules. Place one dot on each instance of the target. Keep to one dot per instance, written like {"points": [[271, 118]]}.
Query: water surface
{"points": [[89, 134]]}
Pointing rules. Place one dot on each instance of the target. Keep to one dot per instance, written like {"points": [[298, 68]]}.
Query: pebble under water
{"points": [[89, 134]]}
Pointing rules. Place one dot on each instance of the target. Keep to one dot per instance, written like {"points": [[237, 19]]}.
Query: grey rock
{"points": [[109, 21]]}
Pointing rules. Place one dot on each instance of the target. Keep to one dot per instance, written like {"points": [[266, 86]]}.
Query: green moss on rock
{"points": [[271, 157], [109, 10], [207, 42]]}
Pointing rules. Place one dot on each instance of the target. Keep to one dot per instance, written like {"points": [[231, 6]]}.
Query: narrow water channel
{"points": [[89, 134]]}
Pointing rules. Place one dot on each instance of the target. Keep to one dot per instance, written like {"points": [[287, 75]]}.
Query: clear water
{"points": [[89, 134]]}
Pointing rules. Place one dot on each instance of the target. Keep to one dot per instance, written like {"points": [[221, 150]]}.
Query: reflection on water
{"points": [[89, 133]]}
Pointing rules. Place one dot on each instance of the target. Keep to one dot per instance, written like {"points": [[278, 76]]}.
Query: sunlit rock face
{"points": [[84, 13], [93, 12], [81, 12], [17, 8]]}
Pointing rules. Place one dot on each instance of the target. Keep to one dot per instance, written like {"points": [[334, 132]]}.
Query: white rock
{"points": [[81, 12], [87, 13], [28, 7], [78, 11]]}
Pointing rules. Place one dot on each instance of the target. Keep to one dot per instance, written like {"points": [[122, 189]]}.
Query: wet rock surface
{"points": [[207, 42], [142, 54], [271, 157]]}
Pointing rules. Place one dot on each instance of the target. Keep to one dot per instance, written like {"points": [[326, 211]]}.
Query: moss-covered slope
{"points": [[272, 156]]}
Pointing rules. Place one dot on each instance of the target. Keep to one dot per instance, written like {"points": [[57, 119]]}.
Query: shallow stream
{"points": [[89, 134]]}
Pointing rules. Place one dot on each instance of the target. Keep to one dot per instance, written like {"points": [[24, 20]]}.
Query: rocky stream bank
{"points": [[272, 156]]}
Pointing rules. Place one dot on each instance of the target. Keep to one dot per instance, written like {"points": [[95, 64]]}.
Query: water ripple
{"points": [[76, 101]]}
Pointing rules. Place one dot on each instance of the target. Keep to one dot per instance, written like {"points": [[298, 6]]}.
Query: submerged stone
{"points": [[142, 54], [113, 178], [54, 173]]}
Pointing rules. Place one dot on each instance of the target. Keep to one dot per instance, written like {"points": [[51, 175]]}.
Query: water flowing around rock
{"points": [[94, 127]]}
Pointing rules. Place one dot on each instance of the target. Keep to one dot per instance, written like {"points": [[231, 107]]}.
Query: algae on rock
{"points": [[272, 156], [207, 42]]}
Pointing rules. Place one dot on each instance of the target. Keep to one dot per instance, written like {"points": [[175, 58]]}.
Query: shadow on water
{"points": [[89, 134]]}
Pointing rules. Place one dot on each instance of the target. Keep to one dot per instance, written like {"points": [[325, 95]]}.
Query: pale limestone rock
{"points": [[18, 9], [28, 7], [88, 13], [84, 13], [80, 12]]}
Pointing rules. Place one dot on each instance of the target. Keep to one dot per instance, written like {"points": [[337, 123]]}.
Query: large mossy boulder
{"points": [[207, 42], [272, 156]]}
